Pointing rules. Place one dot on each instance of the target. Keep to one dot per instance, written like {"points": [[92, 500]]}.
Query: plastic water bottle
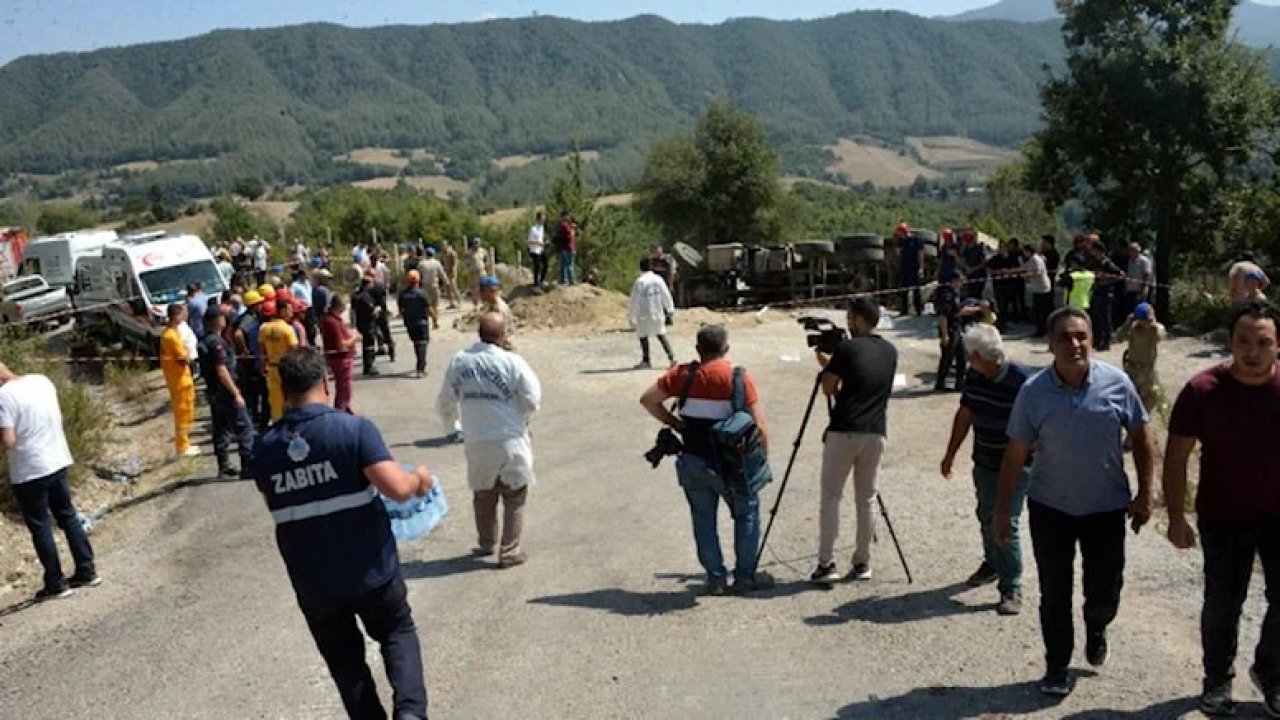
{"points": [[417, 516]]}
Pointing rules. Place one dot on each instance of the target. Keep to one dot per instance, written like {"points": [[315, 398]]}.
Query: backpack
{"points": [[741, 459]]}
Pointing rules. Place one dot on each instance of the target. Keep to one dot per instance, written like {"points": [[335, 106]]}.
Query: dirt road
{"points": [[196, 618]]}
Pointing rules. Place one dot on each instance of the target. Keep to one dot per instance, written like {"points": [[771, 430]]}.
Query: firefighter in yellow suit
{"points": [[275, 339], [177, 376]]}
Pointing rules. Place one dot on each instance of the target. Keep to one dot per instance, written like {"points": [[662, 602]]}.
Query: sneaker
{"points": [[513, 560], [825, 574], [860, 571], [484, 551], [716, 587], [1057, 683], [1216, 701], [373, 372], [229, 472], [1270, 694], [1096, 650], [1010, 603], [984, 575], [55, 593], [643, 365], [79, 581]]}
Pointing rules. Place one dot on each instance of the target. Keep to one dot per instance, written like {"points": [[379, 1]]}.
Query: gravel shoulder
{"points": [[197, 620]]}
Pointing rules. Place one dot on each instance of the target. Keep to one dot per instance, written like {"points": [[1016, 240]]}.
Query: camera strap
{"points": [[688, 384]]}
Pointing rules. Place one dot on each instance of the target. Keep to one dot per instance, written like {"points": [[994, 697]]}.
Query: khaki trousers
{"points": [[841, 453], [485, 504]]}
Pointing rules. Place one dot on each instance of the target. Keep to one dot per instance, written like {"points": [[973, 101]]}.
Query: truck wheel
{"points": [[687, 255], [863, 255], [810, 250], [860, 242]]}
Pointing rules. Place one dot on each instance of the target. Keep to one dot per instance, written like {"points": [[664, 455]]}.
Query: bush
{"points": [[128, 378], [1198, 307], [86, 419]]}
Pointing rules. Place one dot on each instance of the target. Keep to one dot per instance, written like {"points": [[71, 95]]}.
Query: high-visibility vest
{"points": [[1081, 289]]}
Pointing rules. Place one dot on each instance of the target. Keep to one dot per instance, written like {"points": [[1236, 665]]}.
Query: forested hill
{"points": [[281, 101]]}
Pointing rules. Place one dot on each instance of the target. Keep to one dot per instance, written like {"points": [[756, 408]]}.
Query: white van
{"points": [[56, 257], [126, 291]]}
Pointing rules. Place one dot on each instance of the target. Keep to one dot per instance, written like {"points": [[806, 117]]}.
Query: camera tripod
{"points": [[786, 477]]}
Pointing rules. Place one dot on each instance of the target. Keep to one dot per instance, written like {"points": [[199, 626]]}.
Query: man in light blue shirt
{"points": [[1071, 417]]}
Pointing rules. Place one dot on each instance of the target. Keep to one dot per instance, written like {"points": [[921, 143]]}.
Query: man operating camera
{"points": [[859, 374], [710, 392]]}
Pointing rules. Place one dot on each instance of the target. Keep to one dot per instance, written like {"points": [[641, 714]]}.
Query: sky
{"points": [[46, 26]]}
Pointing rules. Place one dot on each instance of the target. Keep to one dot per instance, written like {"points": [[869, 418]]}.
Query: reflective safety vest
{"points": [[1081, 289]]}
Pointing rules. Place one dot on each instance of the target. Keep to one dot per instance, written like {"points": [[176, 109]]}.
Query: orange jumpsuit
{"points": [[182, 388], [275, 339]]}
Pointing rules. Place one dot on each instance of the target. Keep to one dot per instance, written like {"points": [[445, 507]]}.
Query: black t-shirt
{"points": [[1051, 260], [866, 367]]}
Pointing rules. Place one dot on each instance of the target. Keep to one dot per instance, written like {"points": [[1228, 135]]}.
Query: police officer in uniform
{"points": [[228, 410], [320, 471], [365, 307], [382, 318]]}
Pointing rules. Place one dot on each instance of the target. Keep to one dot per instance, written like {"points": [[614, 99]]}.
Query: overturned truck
{"points": [[733, 274]]}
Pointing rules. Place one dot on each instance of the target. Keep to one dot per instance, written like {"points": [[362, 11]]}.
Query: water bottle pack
{"points": [[418, 516]]}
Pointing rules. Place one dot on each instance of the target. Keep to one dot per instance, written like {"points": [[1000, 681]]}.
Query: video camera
{"points": [[667, 443], [824, 336]]}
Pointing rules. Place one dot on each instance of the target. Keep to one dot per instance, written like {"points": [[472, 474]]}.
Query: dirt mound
{"points": [[569, 306]]}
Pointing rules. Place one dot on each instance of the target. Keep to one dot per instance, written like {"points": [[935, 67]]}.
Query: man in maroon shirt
{"points": [[1233, 411]]}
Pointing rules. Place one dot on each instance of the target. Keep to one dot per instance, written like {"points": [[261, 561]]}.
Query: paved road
{"points": [[196, 619]]}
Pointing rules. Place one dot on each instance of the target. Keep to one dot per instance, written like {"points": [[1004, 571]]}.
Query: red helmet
{"points": [[903, 229]]}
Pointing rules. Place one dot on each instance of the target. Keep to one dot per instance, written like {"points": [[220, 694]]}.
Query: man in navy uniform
{"points": [[228, 411], [320, 471]]}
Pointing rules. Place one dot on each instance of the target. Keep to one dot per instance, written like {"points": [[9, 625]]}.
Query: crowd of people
{"points": [[1050, 443]]}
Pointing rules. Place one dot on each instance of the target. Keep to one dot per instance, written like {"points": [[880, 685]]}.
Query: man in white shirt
{"points": [[496, 393], [260, 259], [1036, 273], [301, 289], [433, 279], [537, 244], [225, 268], [651, 306], [1138, 277], [31, 434]]}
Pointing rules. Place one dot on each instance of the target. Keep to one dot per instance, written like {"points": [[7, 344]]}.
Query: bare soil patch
{"points": [[517, 161], [958, 154], [383, 157], [440, 185], [862, 160]]}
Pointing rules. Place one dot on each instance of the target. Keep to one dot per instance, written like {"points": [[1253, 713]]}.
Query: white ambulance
{"points": [[126, 292]]}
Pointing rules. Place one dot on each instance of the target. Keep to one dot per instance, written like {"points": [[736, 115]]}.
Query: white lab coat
{"points": [[650, 304], [496, 393]]}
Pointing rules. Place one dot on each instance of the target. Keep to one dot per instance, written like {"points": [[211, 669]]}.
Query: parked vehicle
{"points": [[29, 299], [57, 257], [125, 293]]}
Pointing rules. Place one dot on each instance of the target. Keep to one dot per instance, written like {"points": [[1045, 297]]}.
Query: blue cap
{"points": [[1256, 275], [489, 281], [431, 252], [950, 275], [1142, 311]]}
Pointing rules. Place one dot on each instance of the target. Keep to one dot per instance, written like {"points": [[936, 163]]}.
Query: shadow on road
{"points": [[624, 602], [1162, 711], [169, 489], [894, 609], [443, 567], [943, 703]]}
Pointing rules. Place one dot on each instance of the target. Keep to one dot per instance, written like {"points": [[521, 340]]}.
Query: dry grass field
{"points": [[862, 160]]}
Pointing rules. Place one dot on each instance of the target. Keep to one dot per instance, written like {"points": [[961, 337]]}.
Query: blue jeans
{"points": [[50, 495], [566, 267], [1007, 561], [703, 488]]}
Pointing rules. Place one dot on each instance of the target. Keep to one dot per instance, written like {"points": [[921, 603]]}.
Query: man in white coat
{"points": [[651, 306], [496, 393]]}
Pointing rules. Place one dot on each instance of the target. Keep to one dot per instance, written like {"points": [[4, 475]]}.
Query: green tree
{"points": [[236, 220], [250, 188], [61, 218], [1156, 108], [720, 185], [1014, 211]]}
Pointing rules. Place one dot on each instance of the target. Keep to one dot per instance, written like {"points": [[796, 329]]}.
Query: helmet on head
{"points": [[251, 298], [267, 291]]}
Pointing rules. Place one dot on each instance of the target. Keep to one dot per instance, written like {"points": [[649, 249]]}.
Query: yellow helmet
{"points": [[251, 298]]}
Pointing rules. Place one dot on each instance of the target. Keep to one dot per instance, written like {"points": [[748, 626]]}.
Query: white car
{"points": [[29, 299]]}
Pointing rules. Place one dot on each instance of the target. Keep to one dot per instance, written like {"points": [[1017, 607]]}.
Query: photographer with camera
{"points": [[715, 400], [859, 374]]}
